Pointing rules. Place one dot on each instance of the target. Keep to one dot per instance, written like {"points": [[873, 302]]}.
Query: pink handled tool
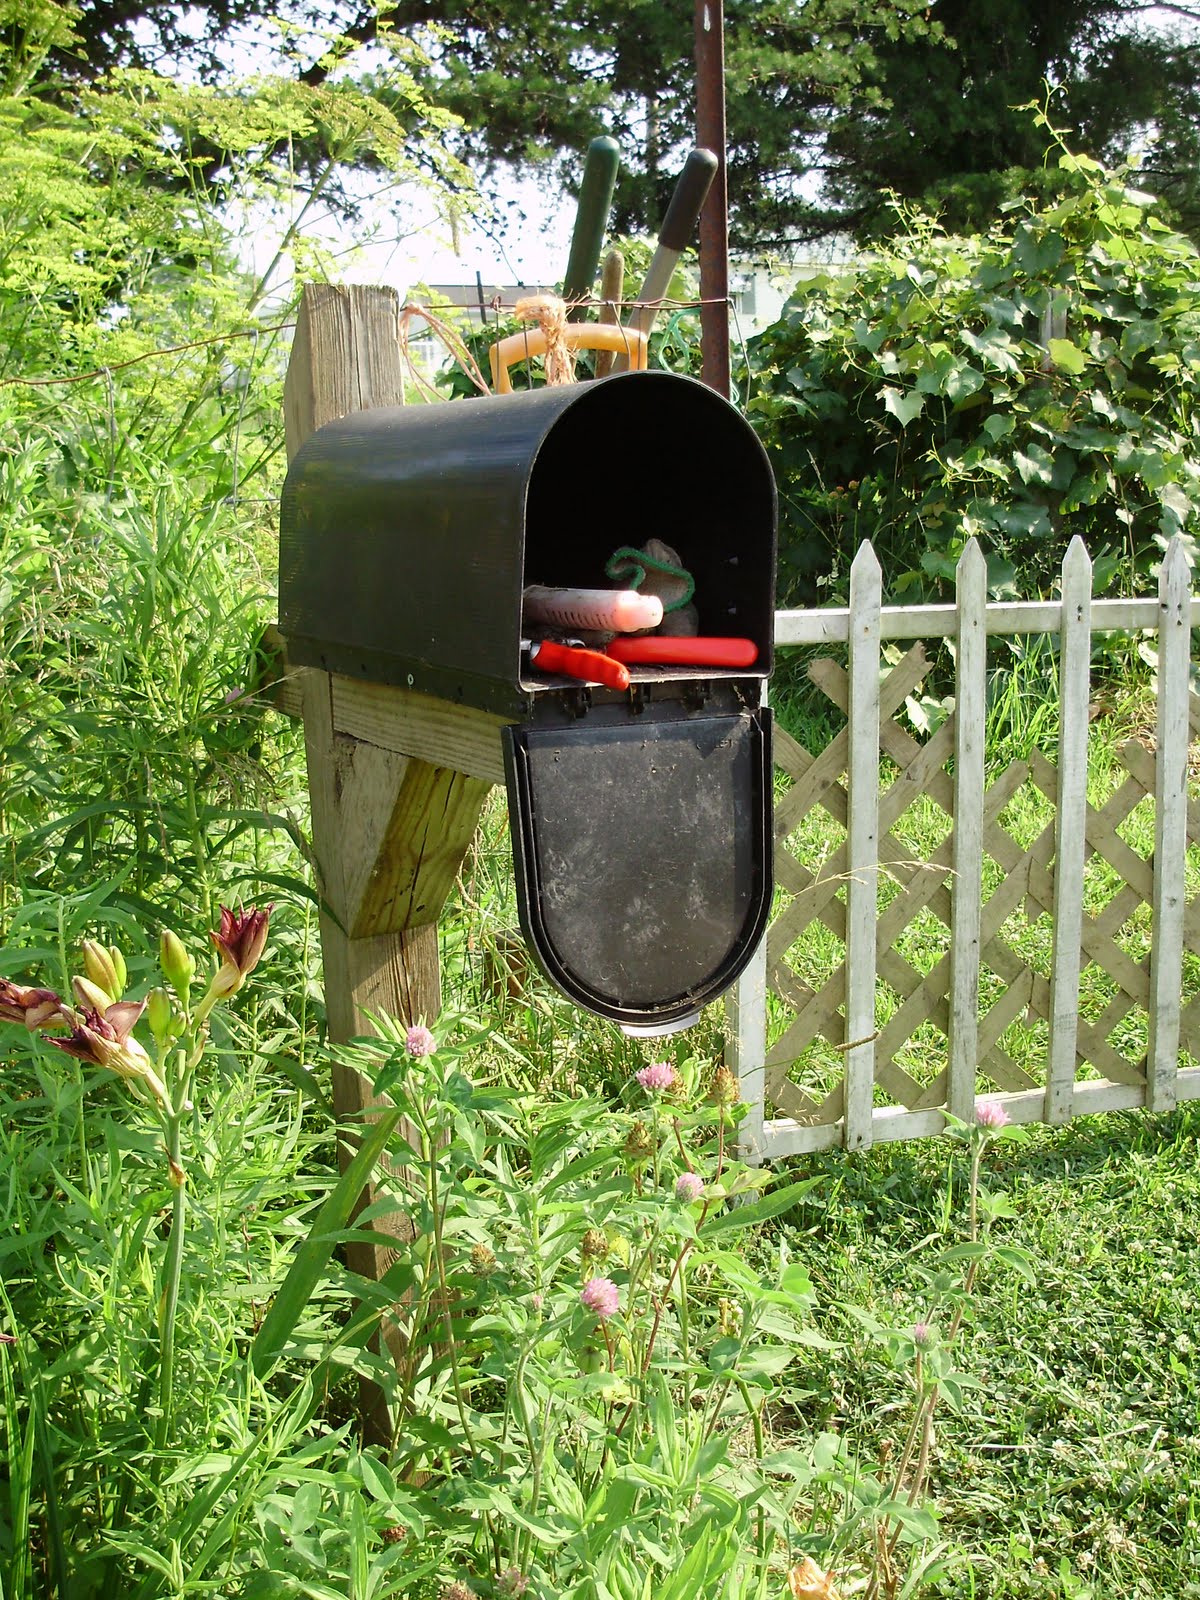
{"points": [[604, 610]]}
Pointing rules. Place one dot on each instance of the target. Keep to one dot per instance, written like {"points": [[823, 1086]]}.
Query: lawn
{"points": [[1071, 1468]]}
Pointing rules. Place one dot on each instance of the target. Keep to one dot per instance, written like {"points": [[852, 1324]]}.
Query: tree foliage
{"points": [[1039, 381], [949, 127], [533, 86], [867, 96], [121, 193]]}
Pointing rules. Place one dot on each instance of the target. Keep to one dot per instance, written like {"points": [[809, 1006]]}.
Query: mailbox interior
{"points": [[632, 461]]}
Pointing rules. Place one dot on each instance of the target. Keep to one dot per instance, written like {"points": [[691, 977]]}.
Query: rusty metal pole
{"points": [[714, 219]]}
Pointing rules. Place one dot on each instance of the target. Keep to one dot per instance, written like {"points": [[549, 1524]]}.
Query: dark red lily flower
{"points": [[104, 1039], [240, 941], [100, 1037], [34, 1008]]}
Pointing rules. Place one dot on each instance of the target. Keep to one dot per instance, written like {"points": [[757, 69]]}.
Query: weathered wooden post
{"points": [[383, 879]]}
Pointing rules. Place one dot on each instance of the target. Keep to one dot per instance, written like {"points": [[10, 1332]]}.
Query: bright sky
{"points": [[527, 242], [531, 249]]}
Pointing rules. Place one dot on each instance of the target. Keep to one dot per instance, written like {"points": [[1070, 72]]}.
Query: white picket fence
{"points": [[866, 1041]]}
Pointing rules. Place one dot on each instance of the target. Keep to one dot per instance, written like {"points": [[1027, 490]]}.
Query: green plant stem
{"points": [[172, 1272], [439, 1256], [537, 1455], [764, 1543], [329, 172], [608, 1345], [198, 841], [659, 1302], [920, 1433]]}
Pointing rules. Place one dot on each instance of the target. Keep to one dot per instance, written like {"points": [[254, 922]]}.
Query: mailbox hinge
{"points": [[577, 702]]}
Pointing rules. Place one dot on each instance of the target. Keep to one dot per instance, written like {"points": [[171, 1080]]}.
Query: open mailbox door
{"points": [[642, 854]]}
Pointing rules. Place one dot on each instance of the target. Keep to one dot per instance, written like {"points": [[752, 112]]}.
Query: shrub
{"points": [[1028, 385]]}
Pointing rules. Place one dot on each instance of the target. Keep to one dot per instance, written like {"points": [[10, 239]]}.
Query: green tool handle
{"points": [[691, 190], [612, 292], [595, 198]]}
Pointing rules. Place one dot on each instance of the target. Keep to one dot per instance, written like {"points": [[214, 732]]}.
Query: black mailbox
{"points": [[641, 820]]}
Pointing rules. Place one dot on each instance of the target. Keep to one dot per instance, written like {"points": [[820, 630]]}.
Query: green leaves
{"points": [[755, 1212], [1067, 356], [905, 408], [1034, 466], [1034, 383], [323, 1237]]}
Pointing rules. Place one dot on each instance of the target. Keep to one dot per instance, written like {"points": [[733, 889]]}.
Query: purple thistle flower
{"points": [[419, 1041], [990, 1114], [689, 1186], [599, 1295], [658, 1075], [922, 1335]]}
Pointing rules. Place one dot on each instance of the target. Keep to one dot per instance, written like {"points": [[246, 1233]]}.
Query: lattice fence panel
{"points": [[803, 1078], [947, 928]]}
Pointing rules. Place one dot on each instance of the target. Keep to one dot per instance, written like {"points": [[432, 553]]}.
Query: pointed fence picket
{"points": [[931, 984]]}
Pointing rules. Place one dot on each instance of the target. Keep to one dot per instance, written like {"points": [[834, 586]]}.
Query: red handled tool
{"points": [[573, 661], [665, 650]]}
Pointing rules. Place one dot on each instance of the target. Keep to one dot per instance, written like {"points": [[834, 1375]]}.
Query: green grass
{"points": [[1070, 1471], [1073, 1467]]}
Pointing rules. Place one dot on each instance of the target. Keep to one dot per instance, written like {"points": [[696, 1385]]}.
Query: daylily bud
{"points": [[101, 970], [158, 1015], [92, 996], [178, 967], [119, 967], [240, 941]]}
